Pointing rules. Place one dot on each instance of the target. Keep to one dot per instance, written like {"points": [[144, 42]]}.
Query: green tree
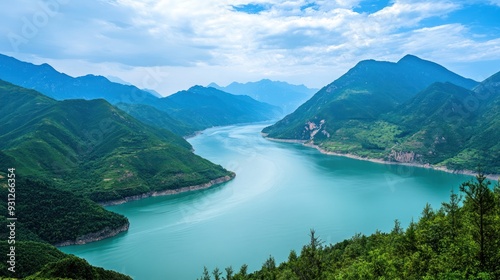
{"points": [[481, 203], [217, 274], [229, 273], [206, 274]]}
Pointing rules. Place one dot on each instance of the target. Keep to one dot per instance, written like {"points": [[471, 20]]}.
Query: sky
{"points": [[170, 45]]}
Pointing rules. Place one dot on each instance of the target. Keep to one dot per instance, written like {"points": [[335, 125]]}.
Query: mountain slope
{"points": [[206, 107], [47, 80], [94, 149], [444, 124], [157, 118], [284, 95], [365, 92]]}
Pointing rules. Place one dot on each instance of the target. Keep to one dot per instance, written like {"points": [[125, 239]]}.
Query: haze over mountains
{"points": [[403, 112], [284, 95]]}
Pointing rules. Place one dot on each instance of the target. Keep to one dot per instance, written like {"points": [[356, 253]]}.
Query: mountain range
{"points": [[413, 111], [70, 154], [183, 112], [94, 148], [284, 95]]}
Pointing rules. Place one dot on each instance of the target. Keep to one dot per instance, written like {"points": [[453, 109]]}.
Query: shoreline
{"points": [[381, 161], [95, 236], [203, 186], [108, 232]]}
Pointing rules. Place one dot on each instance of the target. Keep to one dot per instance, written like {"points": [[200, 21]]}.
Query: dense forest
{"points": [[52, 216], [460, 240]]}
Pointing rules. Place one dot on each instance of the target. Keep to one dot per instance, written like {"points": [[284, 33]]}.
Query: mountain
{"points": [[94, 149], [47, 80], [158, 118], [413, 111], [179, 113], [206, 107], [450, 126], [153, 92], [284, 95], [363, 93]]}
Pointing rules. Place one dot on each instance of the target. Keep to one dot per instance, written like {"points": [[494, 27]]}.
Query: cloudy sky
{"points": [[170, 45]]}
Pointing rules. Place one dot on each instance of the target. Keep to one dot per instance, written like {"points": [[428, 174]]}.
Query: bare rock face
{"points": [[312, 129], [404, 157]]}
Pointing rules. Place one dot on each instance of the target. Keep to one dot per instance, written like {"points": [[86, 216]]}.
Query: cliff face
{"points": [[95, 236]]}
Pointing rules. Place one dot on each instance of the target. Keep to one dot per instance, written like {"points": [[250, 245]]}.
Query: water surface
{"points": [[281, 191]]}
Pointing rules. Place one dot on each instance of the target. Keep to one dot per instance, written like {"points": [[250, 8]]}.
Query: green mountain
{"points": [[93, 148], [284, 95], [158, 118], [36, 260], [45, 79], [445, 125], [206, 107], [365, 92], [181, 113], [46, 214], [198, 108]]}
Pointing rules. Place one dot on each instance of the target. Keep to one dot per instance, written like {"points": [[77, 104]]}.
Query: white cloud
{"points": [[285, 40]]}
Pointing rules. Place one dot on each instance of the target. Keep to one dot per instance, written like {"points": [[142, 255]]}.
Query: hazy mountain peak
{"points": [[214, 85], [410, 57], [277, 93]]}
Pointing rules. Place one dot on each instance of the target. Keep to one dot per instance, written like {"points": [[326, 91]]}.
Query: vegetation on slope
{"points": [[443, 125], [72, 267], [94, 149], [366, 91], [158, 118], [206, 107], [55, 215], [457, 241]]}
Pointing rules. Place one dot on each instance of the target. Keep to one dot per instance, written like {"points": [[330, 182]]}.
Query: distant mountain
{"points": [[284, 95], [413, 111], [206, 107], [93, 148], [153, 92], [118, 80], [47, 80], [183, 113]]}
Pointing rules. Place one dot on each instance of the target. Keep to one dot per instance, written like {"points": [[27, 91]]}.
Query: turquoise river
{"points": [[280, 192]]}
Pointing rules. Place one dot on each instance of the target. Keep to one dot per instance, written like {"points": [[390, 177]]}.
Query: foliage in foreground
{"points": [[458, 241]]}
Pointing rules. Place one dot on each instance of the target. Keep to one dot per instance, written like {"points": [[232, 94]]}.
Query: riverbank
{"points": [[207, 185], [381, 161], [95, 236]]}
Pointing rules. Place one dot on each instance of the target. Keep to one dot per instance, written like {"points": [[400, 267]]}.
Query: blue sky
{"points": [[170, 45]]}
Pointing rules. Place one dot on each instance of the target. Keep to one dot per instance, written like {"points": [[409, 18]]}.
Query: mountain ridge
{"points": [[404, 112]]}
